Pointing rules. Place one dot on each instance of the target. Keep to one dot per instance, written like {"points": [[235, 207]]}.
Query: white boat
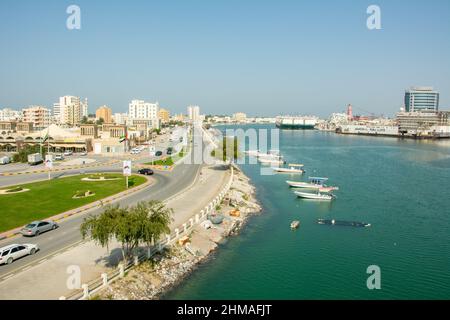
{"points": [[254, 153], [314, 196], [295, 224], [269, 156], [293, 168], [314, 183]]}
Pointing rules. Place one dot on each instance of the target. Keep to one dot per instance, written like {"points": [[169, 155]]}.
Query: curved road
{"points": [[166, 185]]}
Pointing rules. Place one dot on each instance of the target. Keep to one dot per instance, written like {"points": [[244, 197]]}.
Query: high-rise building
{"points": [[38, 115], [141, 110], [8, 114], [164, 115], [194, 113], [70, 110], [421, 99], [104, 113]]}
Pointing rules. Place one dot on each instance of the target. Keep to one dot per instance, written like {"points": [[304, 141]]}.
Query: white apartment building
{"points": [[120, 118], [70, 110], [194, 113], [8, 114], [40, 116], [141, 110]]}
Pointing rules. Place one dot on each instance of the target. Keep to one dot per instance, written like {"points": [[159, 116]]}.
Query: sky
{"points": [[256, 56]]}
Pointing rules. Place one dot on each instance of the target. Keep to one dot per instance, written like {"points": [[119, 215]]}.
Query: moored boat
{"points": [[295, 224], [343, 223], [292, 168], [314, 183], [270, 161]]}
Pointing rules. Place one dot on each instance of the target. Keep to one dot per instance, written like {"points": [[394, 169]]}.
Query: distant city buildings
{"points": [[240, 117], [141, 110], [164, 115], [39, 116], [70, 110], [194, 113], [8, 114], [120, 118], [421, 99], [105, 113]]}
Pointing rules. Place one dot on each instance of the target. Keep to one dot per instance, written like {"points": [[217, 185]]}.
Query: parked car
{"points": [[59, 157], [37, 227], [83, 154], [68, 153], [5, 160], [16, 251], [158, 153], [146, 171]]}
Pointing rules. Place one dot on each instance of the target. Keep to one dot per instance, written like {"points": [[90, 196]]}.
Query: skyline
{"points": [[261, 58]]}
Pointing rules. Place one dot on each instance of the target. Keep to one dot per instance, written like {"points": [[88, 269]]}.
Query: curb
{"points": [[5, 174], [98, 203]]}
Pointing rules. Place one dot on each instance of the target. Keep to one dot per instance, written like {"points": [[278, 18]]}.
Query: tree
{"points": [[100, 121], [130, 226], [22, 154], [227, 150]]}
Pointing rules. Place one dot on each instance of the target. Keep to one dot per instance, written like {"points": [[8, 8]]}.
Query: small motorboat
{"points": [[314, 183], [295, 224], [343, 223], [314, 196], [270, 161], [293, 169]]}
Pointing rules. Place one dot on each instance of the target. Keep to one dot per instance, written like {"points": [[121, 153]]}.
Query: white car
{"points": [[16, 251]]}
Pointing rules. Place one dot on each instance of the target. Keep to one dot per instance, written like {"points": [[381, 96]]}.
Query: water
{"points": [[401, 187]]}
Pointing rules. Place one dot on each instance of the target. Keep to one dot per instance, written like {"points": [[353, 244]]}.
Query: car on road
{"points": [[36, 228], [146, 171], [158, 153], [59, 157], [68, 153], [169, 150], [16, 251]]}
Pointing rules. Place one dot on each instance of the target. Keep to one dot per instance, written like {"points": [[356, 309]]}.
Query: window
{"points": [[5, 253], [21, 248], [42, 224], [14, 250]]}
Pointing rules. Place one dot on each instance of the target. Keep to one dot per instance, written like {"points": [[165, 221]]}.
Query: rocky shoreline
{"points": [[154, 278]]}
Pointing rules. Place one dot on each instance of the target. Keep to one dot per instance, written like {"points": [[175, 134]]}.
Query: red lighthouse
{"points": [[350, 112]]}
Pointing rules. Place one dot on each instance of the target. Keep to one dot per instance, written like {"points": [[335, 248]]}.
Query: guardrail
{"points": [[98, 284]]}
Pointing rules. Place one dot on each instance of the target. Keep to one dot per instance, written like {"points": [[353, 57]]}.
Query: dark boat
{"points": [[343, 223]]}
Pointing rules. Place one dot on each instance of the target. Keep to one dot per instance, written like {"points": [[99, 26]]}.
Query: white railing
{"points": [[106, 278]]}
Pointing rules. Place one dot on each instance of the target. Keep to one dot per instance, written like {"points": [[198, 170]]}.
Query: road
{"points": [[166, 185]]}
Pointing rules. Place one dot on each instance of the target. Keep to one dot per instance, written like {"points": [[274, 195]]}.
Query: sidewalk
{"points": [[48, 279]]}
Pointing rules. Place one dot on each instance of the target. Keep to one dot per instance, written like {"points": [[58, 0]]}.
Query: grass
{"points": [[163, 162], [49, 198]]}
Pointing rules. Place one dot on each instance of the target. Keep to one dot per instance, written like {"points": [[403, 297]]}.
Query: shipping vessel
{"points": [[296, 123]]}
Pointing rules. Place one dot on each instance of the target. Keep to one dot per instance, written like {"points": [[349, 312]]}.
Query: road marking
{"points": [[26, 268], [42, 261], [8, 276]]}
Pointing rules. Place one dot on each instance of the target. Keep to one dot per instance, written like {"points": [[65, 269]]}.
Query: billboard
{"points": [[127, 168]]}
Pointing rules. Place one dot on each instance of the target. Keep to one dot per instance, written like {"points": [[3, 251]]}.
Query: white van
{"points": [[4, 160]]}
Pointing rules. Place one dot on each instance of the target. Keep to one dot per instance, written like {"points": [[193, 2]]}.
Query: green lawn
{"points": [[48, 198], [165, 162]]}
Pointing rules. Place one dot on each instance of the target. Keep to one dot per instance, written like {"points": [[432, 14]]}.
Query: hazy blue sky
{"points": [[260, 57]]}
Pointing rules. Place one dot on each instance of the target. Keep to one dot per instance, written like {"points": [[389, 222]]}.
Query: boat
{"points": [[271, 161], [296, 123], [269, 156], [314, 183], [343, 223], [254, 153], [293, 168], [295, 224], [315, 196]]}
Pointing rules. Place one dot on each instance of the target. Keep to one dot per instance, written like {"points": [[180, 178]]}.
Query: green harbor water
{"points": [[401, 187]]}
